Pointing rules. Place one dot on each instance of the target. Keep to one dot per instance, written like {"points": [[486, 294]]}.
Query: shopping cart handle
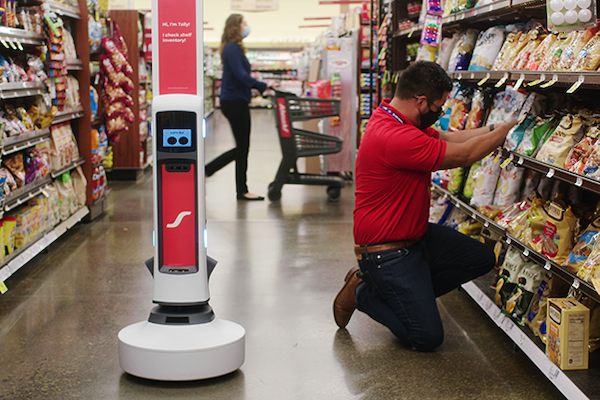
{"points": [[281, 93]]}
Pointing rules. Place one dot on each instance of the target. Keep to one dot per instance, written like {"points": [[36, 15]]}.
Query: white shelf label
{"points": [[576, 283], [553, 373], [547, 265], [550, 173], [508, 240], [579, 182], [526, 252], [520, 161]]}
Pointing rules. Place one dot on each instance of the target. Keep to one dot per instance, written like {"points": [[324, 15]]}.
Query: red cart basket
{"points": [[297, 143]]}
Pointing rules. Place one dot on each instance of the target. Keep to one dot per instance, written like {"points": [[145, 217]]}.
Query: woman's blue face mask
{"points": [[246, 31]]}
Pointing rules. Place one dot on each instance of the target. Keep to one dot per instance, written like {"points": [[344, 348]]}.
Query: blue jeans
{"points": [[400, 286]]}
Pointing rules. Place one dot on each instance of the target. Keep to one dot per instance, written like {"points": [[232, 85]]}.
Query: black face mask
{"points": [[430, 117]]}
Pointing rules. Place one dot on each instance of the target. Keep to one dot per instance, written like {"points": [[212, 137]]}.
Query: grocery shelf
{"points": [[74, 64], [64, 9], [21, 36], [22, 194], [23, 255], [21, 89], [29, 139], [527, 251], [551, 171], [564, 381], [68, 167], [483, 11], [67, 115]]}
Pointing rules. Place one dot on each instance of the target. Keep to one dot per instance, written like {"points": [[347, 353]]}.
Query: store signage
{"points": [[339, 63], [254, 5], [177, 47]]}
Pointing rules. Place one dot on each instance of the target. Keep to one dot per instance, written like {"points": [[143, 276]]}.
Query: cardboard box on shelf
{"points": [[568, 325]]}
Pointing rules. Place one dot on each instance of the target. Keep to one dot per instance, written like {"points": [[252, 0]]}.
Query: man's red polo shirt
{"points": [[393, 178]]}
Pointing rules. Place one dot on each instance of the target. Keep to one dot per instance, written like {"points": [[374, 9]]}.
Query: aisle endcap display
{"points": [[22, 257]]}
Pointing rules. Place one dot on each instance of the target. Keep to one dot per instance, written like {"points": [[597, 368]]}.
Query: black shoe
{"points": [[243, 197]]}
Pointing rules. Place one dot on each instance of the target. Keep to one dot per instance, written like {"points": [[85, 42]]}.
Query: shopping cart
{"points": [[297, 143]]}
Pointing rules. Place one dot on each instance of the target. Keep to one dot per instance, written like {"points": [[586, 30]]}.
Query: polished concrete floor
{"points": [[280, 266]]}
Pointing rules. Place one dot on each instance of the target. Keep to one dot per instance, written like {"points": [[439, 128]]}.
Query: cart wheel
{"points": [[334, 193], [274, 195]]}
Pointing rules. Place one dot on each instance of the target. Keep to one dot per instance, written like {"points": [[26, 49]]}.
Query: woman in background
{"points": [[236, 94]]}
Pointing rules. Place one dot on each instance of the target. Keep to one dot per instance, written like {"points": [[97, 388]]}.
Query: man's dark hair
{"points": [[423, 78]]}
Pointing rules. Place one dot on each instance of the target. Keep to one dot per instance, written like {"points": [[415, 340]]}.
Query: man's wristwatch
{"points": [[492, 127]]}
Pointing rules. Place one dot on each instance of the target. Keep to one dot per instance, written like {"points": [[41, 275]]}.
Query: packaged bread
{"points": [[512, 38], [588, 58], [535, 59], [567, 58], [563, 40], [556, 148], [522, 57]]}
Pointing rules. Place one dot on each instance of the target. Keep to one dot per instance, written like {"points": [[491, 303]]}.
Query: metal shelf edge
{"points": [[71, 166], [533, 352]]}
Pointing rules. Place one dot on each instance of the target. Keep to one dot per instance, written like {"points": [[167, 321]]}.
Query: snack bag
{"points": [[445, 50], [485, 181], [520, 61], [479, 105], [536, 58], [550, 62], [461, 54], [584, 246], [457, 179], [456, 217], [550, 287], [470, 227], [533, 136], [515, 50], [9, 225], [15, 165], [79, 186], [507, 281], [470, 183], [578, 152], [490, 211], [440, 210], [556, 148], [486, 49], [567, 58], [509, 184], [588, 58], [460, 109], [519, 301], [517, 132], [528, 222], [512, 38], [556, 240], [508, 214]]}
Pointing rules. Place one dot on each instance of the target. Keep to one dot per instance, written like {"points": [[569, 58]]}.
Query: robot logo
{"points": [[179, 218]]}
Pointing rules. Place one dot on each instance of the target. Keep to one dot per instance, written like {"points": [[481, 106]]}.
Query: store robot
{"points": [[181, 340]]}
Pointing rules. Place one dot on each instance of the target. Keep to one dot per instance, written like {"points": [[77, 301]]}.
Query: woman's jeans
{"points": [[401, 286], [238, 115]]}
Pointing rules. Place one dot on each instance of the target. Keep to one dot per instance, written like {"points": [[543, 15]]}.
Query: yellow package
{"points": [[536, 58], [588, 59], [2, 249], [511, 40], [521, 59], [553, 56], [568, 333], [567, 58], [519, 44], [556, 149], [10, 225], [556, 238], [490, 211], [470, 227]]}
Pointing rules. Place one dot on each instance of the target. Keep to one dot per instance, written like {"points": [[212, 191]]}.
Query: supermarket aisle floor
{"points": [[280, 266]]}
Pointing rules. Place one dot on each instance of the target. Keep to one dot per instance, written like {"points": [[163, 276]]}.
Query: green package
{"points": [[470, 183], [533, 137], [456, 181]]}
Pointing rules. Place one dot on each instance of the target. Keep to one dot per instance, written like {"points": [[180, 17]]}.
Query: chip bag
{"points": [[556, 240], [486, 49], [584, 246], [486, 181], [588, 58], [532, 137], [470, 182], [519, 301], [535, 59], [556, 148], [507, 191], [507, 280]]}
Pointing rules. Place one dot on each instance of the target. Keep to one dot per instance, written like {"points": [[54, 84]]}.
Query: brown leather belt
{"points": [[376, 248]]}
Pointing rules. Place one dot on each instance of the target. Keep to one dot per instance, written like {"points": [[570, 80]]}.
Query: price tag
{"points": [[486, 224], [497, 159], [12, 45], [4, 43], [3, 288], [411, 33], [19, 46], [520, 161], [575, 283], [508, 240], [550, 173], [505, 163], [508, 325], [519, 82], [526, 252], [457, 205], [496, 313], [579, 182], [474, 216], [502, 80], [538, 81], [45, 193], [472, 75], [459, 77], [521, 339], [97, 80], [547, 266], [576, 85], [484, 79], [552, 82]]}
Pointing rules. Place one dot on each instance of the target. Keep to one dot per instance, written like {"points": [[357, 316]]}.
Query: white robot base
{"points": [[182, 352]]}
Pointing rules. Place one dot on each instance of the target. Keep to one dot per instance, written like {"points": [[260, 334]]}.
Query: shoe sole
{"points": [[346, 282]]}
